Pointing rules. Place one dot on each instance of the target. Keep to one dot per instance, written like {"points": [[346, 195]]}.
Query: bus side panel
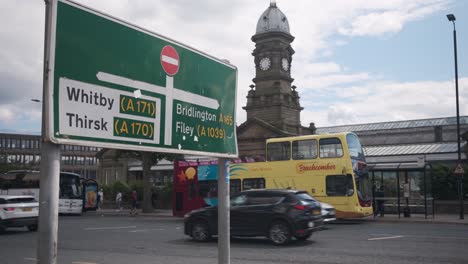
{"points": [[185, 195], [308, 175]]}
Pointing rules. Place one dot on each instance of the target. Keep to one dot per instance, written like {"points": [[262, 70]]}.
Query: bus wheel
{"points": [[200, 231], [303, 237], [32, 228], [279, 233]]}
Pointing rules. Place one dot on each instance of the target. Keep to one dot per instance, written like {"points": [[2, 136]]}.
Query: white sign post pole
{"points": [[224, 236], [50, 166]]}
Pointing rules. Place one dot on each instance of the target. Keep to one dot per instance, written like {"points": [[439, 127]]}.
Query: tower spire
{"points": [[273, 3]]}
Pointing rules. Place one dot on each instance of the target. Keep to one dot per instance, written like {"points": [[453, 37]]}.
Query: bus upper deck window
{"points": [[330, 148], [278, 151], [304, 149]]}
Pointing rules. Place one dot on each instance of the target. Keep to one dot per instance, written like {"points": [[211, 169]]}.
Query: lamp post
{"points": [[452, 19]]}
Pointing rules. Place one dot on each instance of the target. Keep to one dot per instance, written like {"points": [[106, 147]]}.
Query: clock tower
{"points": [[272, 99]]}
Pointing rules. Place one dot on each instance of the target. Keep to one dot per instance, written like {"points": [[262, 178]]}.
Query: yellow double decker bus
{"points": [[331, 167]]}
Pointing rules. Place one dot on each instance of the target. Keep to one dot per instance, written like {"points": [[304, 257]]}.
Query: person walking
{"points": [[134, 198], [118, 201], [379, 195], [100, 199]]}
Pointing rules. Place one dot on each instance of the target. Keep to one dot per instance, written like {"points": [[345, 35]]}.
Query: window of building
{"points": [[255, 183], [330, 148], [339, 185], [304, 149], [278, 151]]}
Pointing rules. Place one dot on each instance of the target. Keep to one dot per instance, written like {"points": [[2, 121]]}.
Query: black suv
{"points": [[276, 214]]}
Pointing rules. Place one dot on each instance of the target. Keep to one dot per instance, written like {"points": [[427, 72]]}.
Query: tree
{"points": [[148, 160]]}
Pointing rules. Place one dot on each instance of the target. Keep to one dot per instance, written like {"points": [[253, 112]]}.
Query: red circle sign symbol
{"points": [[170, 60]]}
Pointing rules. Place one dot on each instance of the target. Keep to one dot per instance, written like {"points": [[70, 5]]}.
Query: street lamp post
{"points": [[451, 18]]}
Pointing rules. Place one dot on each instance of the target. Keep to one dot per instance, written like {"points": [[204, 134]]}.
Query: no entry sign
{"points": [[170, 60]]}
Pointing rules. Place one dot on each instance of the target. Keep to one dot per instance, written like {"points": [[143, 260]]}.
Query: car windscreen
{"points": [[303, 196], [18, 200]]}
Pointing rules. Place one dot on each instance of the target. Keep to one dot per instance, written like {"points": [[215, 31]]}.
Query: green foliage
{"points": [[445, 184], [110, 191], [122, 187], [164, 196]]}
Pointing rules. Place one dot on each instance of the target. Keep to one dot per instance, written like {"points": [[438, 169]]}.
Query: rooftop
{"points": [[444, 121]]}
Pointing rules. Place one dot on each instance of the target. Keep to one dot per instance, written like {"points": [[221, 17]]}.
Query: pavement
{"points": [[388, 218]]}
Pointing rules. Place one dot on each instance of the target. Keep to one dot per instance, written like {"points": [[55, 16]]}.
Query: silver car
{"points": [[328, 212]]}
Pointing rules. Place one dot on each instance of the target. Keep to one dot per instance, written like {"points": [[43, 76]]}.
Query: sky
{"points": [[356, 61]]}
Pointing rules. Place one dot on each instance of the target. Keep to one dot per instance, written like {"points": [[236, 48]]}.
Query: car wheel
{"points": [[200, 231], [32, 228], [2, 229], [303, 237], [279, 233]]}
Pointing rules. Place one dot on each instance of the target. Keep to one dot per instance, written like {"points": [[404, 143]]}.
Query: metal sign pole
{"points": [[48, 203], [50, 168], [224, 254]]}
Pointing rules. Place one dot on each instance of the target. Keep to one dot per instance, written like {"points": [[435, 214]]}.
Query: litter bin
{"points": [[406, 212]]}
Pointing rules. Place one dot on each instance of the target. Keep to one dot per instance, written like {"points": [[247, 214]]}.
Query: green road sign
{"points": [[116, 85]]}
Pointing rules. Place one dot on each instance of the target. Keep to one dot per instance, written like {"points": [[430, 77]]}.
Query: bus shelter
{"points": [[406, 187]]}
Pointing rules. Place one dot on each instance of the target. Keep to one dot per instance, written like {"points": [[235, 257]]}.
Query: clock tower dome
{"points": [[272, 98]]}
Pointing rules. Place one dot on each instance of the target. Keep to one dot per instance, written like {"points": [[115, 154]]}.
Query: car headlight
{"points": [[187, 215]]}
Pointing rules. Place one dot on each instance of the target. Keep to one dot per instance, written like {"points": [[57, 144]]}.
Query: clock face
{"points": [[265, 64], [285, 64]]}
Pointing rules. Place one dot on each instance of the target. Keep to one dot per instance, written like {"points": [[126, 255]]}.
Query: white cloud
{"points": [[6, 114], [389, 101]]}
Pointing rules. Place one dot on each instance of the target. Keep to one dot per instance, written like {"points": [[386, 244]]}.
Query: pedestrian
{"points": [[379, 197], [100, 198], [134, 198], [118, 201]]}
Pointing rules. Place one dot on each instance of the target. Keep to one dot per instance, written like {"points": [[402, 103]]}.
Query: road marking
{"points": [[105, 228], [84, 263], [143, 230], [31, 259], [381, 238]]}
